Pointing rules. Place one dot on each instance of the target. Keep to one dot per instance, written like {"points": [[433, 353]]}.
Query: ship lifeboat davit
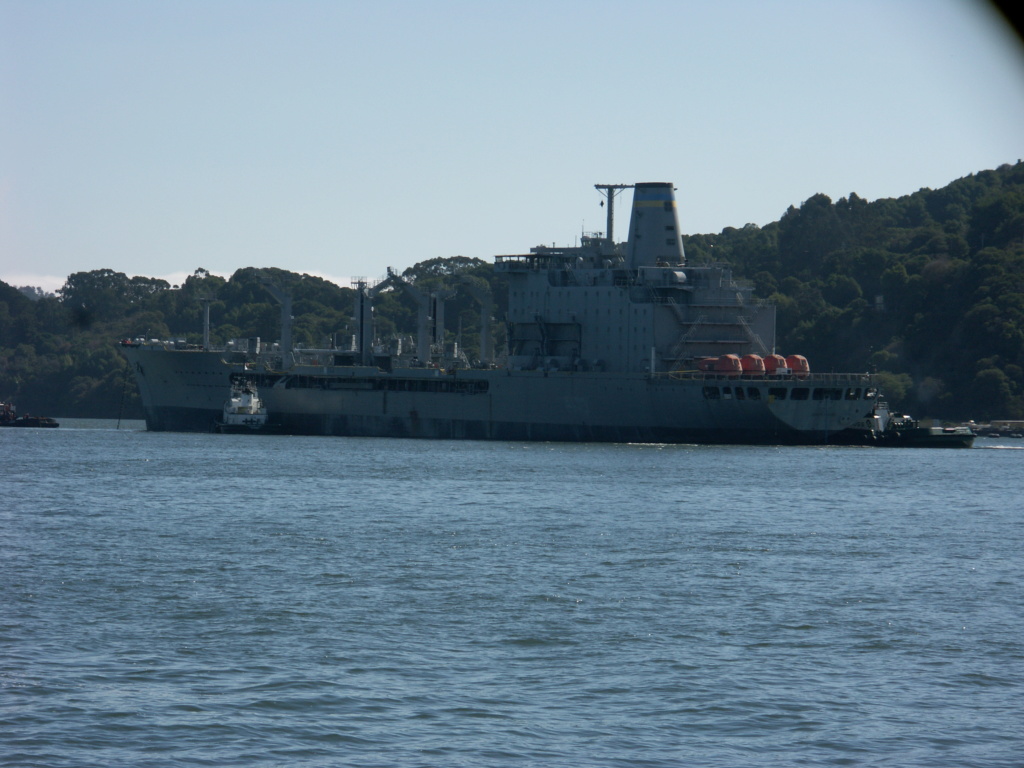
{"points": [[775, 365], [729, 365], [799, 365], [752, 364]]}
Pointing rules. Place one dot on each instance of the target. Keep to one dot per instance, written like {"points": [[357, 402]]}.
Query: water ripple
{"points": [[185, 600]]}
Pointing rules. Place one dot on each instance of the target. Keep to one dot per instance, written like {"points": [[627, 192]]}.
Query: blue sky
{"points": [[339, 138]]}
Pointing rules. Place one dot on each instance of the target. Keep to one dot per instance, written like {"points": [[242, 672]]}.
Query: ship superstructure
{"points": [[603, 306], [606, 342]]}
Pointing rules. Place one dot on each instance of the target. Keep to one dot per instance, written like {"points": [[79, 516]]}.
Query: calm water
{"points": [[193, 600]]}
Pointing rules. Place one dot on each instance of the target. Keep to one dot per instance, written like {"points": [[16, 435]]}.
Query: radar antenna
{"points": [[610, 191]]}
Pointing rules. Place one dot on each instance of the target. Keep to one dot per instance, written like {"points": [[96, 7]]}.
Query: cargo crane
{"points": [[481, 293], [285, 300]]}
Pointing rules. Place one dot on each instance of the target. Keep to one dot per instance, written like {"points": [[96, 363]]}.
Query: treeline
{"points": [[926, 290]]}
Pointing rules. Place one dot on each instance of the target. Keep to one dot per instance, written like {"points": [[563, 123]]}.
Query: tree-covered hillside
{"points": [[926, 290]]}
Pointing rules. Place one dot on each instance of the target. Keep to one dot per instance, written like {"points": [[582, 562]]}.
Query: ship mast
{"points": [[610, 191], [206, 323]]}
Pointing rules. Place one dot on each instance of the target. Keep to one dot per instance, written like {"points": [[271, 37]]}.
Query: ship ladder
{"points": [[751, 335], [678, 351]]}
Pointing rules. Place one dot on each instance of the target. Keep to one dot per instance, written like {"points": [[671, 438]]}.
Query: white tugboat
{"points": [[243, 410]]}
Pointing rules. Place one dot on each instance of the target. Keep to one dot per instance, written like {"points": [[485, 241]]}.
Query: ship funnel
{"points": [[654, 238]]}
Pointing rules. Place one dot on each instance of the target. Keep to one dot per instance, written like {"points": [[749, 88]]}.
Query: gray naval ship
{"points": [[610, 342]]}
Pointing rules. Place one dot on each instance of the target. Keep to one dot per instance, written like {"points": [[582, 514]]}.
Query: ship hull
{"points": [[184, 390]]}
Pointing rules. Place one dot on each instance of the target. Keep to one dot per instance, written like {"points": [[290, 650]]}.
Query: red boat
{"points": [[10, 418]]}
